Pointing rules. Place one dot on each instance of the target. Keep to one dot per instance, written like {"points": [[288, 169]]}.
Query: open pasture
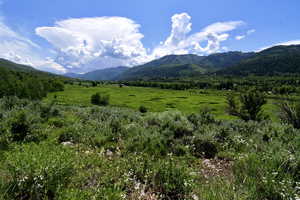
{"points": [[156, 100]]}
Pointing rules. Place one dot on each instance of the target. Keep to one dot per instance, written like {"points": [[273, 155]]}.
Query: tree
{"points": [[232, 106], [251, 105], [290, 113]]}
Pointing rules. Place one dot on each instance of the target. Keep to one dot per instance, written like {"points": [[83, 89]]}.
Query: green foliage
{"points": [[290, 113], [273, 61], [117, 153], [143, 109], [232, 105], [25, 82], [204, 148], [36, 171], [172, 181], [180, 66], [100, 99], [251, 108], [20, 127]]}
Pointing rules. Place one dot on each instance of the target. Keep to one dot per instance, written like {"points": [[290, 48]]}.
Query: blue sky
{"points": [[82, 35]]}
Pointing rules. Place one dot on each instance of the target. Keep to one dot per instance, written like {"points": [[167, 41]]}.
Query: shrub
{"points": [[69, 135], [100, 99], [204, 148], [290, 113], [143, 109], [36, 172], [20, 127], [171, 181]]}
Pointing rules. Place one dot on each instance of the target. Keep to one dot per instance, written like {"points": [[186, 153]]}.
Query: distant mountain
{"points": [[73, 75], [273, 61], [179, 66], [223, 60], [100, 75], [162, 72]]}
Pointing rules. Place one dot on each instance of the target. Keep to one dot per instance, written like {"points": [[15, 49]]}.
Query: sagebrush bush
{"points": [[204, 148], [124, 154], [172, 181]]}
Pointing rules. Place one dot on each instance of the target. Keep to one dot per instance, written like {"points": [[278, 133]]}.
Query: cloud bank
{"points": [[86, 44]]}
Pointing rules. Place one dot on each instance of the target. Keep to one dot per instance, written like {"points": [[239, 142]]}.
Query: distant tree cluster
{"points": [[27, 85], [277, 85], [100, 99]]}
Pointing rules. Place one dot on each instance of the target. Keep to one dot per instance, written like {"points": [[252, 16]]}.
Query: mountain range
{"points": [[278, 60], [101, 74]]}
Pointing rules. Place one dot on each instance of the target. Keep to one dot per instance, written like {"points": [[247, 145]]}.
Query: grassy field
{"points": [[156, 100]]}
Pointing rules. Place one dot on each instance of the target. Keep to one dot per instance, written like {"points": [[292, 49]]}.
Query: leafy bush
{"points": [[100, 99], [143, 109], [290, 113], [171, 181], [250, 107], [70, 134], [36, 171], [252, 103], [20, 127], [204, 148]]}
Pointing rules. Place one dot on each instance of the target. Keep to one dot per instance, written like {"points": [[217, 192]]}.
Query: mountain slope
{"points": [[179, 66], [26, 82], [162, 72], [273, 61], [100, 75], [14, 66]]}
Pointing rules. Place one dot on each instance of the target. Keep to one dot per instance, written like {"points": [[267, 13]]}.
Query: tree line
{"points": [[27, 84]]}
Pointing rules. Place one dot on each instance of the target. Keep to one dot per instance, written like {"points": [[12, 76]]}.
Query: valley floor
{"points": [[156, 100], [64, 148]]}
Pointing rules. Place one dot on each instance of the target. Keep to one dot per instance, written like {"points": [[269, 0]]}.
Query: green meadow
{"points": [[156, 100]]}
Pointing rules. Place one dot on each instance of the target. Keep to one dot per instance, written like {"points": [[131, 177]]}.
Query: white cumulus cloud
{"points": [[92, 43], [86, 44], [181, 42]]}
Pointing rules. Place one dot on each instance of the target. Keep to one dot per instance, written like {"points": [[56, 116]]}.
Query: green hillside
{"points": [[181, 66], [273, 61], [26, 82]]}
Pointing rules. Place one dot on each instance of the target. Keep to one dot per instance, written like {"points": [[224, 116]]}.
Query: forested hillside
{"points": [[26, 82], [277, 60], [181, 66]]}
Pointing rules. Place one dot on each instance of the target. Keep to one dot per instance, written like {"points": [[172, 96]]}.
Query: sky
{"points": [[78, 36]]}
